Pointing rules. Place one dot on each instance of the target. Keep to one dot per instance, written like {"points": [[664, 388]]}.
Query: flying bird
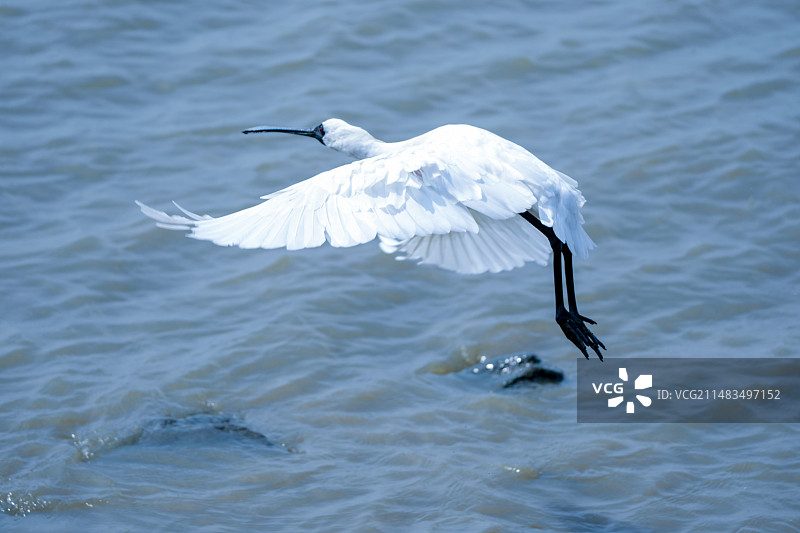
{"points": [[458, 197]]}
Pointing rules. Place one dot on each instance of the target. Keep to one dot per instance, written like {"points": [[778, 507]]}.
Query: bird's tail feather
{"points": [[562, 211]]}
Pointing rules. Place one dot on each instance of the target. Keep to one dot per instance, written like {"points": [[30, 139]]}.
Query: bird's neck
{"points": [[367, 149], [358, 144]]}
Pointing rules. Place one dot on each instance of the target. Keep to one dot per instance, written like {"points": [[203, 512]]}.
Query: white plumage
{"points": [[450, 197]]}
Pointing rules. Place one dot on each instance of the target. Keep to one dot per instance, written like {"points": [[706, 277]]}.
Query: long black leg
{"points": [[567, 253], [556, 245], [573, 305], [587, 336], [571, 322], [557, 283]]}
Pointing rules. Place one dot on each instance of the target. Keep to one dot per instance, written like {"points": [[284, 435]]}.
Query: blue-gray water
{"points": [[122, 345]]}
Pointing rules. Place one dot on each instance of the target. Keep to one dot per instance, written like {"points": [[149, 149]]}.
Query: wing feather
{"points": [[498, 245]]}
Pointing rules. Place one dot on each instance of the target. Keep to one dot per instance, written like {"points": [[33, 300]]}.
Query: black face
{"points": [[319, 133]]}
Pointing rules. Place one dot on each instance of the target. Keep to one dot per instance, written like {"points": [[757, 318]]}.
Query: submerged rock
{"points": [[198, 427], [212, 429], [517, 368]]}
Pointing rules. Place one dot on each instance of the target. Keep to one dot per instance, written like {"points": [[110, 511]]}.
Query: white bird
{"points": [[458, 197]]}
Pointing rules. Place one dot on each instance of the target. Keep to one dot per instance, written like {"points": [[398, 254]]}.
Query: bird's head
{"points": [[334, 133]]}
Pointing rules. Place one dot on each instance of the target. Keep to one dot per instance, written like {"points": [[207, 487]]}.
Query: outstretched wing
{"points": [[345, 206]]}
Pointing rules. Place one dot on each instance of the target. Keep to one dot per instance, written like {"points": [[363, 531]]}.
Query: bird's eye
{"points": [[321, 130]]}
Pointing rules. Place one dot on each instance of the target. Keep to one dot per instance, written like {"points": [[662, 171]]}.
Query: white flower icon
{"points": [[644, 381]]}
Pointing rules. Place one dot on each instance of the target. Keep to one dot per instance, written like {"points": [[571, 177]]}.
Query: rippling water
{"points": [[152, 381]]}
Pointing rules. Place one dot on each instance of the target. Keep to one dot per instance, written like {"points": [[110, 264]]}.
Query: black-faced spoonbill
{"points": [[459, 197]]}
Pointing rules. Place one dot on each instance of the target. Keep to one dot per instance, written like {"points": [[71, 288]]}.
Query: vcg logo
{"points": [[644, 381]]}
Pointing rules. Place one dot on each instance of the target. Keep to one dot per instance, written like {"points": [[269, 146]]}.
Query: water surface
{"points": [[679, 120]]}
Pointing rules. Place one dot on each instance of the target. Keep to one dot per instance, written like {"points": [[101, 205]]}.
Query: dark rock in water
{"points": [[199, 427], [517, 368]]}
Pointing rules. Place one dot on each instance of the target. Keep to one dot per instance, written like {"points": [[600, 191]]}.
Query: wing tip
{"points": [[171, 222]]}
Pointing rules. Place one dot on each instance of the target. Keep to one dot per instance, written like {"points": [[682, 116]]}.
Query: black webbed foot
{"points": [[576, 331]]}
